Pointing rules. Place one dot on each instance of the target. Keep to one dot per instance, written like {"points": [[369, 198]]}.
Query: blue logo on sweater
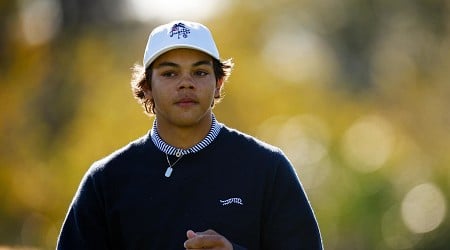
{"points": [[231, 201]]}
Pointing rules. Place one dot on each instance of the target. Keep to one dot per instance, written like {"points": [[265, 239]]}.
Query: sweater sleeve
{"points": [[290, 222], [85, 225]]}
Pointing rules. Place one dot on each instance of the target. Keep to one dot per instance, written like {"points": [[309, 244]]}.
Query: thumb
{"points": [[190, 234]]}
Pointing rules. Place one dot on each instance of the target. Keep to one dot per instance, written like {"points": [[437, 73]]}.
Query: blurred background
{"points": [[357, 93]]}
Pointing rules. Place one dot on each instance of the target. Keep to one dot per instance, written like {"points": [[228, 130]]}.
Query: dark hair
{"points": [[141, 82]]}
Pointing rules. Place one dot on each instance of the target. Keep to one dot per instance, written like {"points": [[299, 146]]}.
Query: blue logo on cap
{"points": [[180, 30]]}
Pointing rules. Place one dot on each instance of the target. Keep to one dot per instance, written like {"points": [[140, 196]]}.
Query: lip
{"points": [[186, 101]]}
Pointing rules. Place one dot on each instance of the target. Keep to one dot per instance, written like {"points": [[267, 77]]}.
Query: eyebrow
{"points": [[172, 64], [199, 63]]}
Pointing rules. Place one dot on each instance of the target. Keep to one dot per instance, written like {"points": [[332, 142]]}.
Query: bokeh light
{"points": [[304, 139], [41, 20], [395, 233], [296, 54], [424, 208], [164, 10], [368, 143]]}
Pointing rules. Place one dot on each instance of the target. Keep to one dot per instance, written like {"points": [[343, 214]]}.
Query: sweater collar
{"points": [[170, 150]]}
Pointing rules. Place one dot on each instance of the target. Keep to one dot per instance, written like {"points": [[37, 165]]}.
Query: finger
{"points": [[206, 240], [208, 232], [190, 234]]}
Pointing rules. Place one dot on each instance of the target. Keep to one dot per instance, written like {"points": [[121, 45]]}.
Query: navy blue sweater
{"points": [[238, 186]]}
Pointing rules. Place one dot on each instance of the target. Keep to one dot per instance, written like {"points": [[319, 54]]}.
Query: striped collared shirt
{"points": [[170, 150]]}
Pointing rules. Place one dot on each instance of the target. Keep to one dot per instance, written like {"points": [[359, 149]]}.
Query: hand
{"points": [[208, 239]]}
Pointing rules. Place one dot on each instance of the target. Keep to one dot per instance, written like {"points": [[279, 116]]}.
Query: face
{"points": [[183, 86]]}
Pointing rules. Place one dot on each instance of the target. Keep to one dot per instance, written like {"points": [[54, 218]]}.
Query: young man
{"points": [[191, 182]]}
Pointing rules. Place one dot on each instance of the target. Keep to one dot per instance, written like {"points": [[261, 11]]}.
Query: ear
{"points": [[219, 85], [148, 94]]}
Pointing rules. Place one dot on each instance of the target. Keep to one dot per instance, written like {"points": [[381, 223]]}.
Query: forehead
{"points": [[183, 55]]}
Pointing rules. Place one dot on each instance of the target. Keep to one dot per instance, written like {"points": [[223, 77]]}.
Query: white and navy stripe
{"points": [[170, 150]]}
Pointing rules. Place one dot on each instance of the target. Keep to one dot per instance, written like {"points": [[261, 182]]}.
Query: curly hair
{"points": [[141, 82]]}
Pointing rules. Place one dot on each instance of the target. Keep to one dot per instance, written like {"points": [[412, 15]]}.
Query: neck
{"points": [[184, 137]]}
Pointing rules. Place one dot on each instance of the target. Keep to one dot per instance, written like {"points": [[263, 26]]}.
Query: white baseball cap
{"points": [[179, 34]]}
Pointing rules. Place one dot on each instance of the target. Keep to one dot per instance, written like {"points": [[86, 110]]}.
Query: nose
{"points": [[187, 81]]}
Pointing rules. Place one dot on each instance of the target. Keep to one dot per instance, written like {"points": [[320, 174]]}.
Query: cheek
{"points": [[208, 90], [161, 96], [154, 89]]}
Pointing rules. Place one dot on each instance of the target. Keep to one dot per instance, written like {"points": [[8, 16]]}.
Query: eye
{"points": [[168, 74], [201, 73]]}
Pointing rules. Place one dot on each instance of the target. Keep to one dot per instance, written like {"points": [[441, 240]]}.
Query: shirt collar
{"points": [[170, 150]]}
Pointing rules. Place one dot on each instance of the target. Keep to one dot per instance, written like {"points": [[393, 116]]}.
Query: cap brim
{"points": [[176, 46]]}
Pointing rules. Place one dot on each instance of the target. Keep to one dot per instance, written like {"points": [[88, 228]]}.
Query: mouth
{"points": [[187, 101]]}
